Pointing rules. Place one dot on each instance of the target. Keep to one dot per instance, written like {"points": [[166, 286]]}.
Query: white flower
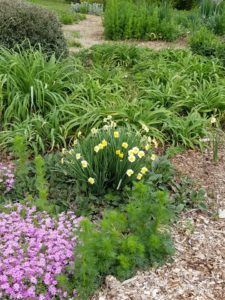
{"points": [[91, 180], [153, 157], [84, 163], [139, 176], [141, 154], [94, 130], [131, 158], [130, 172], [144, 170], [96, 149], [213, 120], [78, 156], [135, 150]]}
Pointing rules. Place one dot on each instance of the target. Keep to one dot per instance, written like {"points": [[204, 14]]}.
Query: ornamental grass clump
{"points": [[34, 249], [109, 158], [7, 178]]}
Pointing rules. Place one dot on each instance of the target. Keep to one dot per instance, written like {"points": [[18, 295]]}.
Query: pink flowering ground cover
{"points": [[7, 178], [34, 249]]}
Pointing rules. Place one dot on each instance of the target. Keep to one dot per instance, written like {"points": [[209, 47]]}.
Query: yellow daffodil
{"points": [[118, 152], [96, 149], [135, 150], [84, 163], [79, 134], [130, 152], [100, 146], [94, 130], [213, 120], [147, 147], [104, 143], [141, 154], [130, 172], [144, 170], [125, 145], [121, 155], [78, 156], [116, 134], [131, 158], [62, 160], [153, 157], [91, 180], [139, 176]]}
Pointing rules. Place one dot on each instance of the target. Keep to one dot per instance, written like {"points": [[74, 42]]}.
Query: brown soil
{"points": [[198, 269], [91, 32]]}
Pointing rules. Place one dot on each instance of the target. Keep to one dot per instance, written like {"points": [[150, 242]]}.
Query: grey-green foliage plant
{"points": [[27, 24], [123, 242], [213, 15], [88, 8]]}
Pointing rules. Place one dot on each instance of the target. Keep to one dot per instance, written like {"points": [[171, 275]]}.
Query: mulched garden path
{"points": [[198, 269]]}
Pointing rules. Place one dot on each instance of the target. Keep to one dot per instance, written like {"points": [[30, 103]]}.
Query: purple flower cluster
{"points": [[6, 178], [34, 249]]}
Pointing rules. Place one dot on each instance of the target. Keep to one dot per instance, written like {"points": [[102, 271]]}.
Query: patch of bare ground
{"points": [[91, 33], [198, 269]]}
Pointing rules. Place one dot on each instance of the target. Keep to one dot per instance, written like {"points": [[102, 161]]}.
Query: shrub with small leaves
{"points": [[30, 25], [123, 242]]}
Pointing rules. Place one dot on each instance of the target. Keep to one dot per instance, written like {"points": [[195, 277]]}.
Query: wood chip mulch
{"points": [[198, 269]]}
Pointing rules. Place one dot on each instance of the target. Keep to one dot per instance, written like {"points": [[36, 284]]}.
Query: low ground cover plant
{"points": [[35, 249], [6, 178]]}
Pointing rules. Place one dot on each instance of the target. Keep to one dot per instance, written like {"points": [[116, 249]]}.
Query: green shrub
{"points": [[123, 242], [220, 52], [126, 19], [30, 25], [204, 42]]}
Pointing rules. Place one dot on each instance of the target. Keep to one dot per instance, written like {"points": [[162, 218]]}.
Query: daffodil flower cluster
{"points": [[110, 158]]}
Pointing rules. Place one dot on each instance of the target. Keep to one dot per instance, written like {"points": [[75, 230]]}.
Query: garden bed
{"points": [[197, 271]]}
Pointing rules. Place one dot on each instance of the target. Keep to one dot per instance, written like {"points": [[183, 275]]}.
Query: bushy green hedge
{"points": [[126, 19], [27, 24]]}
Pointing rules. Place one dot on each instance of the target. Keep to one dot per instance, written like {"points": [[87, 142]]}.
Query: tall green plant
{"points": [[123, 242]]}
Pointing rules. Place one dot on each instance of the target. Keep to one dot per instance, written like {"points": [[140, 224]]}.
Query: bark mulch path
{"points": [[91, 32], [198, 269]]}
